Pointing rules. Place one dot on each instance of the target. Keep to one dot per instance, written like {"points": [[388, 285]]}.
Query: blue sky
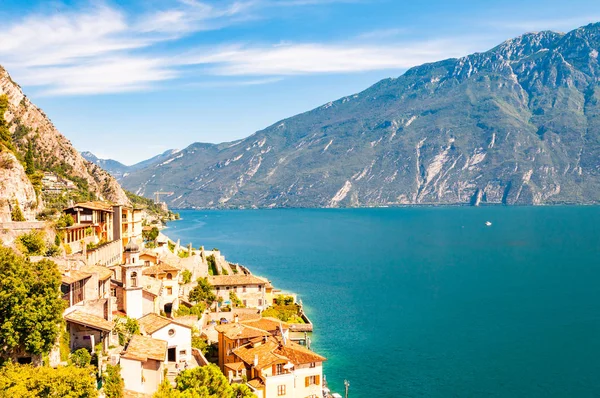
{"points": [[130, 79]]}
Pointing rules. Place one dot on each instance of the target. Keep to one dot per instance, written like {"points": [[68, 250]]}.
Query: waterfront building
{"points": [[177, 335], [232, 336], [168, 278], [143, 364], [249, 289]]}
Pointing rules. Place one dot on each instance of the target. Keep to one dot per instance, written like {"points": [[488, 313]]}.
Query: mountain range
{"points": [[518, 124], [118, 169]]}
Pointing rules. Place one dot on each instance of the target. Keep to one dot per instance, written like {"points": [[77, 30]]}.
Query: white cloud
{"points": [[294, 59], [101, 49]]}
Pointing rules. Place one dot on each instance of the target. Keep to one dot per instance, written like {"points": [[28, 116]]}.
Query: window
{"points": [[311, 380], [218, 288], [147, 263], [279, 369], [259, 302], [243, 289], [113, 292], [260, 288], [313, 365], [245, 304], [171, 332], [134, 279], [169, 291], [281, 390], [169, 276]]}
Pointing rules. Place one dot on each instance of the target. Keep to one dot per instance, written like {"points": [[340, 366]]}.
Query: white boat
{"points": [[488, 223]]}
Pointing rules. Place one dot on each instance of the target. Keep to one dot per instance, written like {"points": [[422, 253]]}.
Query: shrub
{"points": [[235, 300], [16, 214], [186, 276], [53, 251], [81, 358], [32, 243], [65, 220], [113, 382]]}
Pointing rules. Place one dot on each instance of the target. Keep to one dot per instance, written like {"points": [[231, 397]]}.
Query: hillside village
{"points": [[190, 307]]}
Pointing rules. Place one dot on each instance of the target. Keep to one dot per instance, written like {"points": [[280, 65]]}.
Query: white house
{"points": [[142, 364], [177, 335], [249, 289]]}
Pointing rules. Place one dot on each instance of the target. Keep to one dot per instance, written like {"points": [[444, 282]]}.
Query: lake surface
{"points": [[431, 302]]}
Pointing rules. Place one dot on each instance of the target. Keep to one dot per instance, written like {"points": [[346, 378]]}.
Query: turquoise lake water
{"points": [[430, 302]]}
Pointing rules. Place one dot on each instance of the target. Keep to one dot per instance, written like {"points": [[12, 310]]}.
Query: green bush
{"points": [[186, 276], [113, 382], [81, 358], [16, 214], [65, 220], [32, 243]]}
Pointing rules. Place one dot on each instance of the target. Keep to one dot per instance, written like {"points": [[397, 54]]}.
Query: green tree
{"points": [[207, 381], [29, 163], [202, 293], [65, 220], [5, 136], [242, 391], [30, 305], [16, 214], [81, 358], [26, 381], [113, 382], [32, 243], [186, 276], [235, 300], [151, 235], [126, 327]]}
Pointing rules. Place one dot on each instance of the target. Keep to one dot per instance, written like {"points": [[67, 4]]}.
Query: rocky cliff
{"points": [[15, 189], [518, 124], [30, 127]]}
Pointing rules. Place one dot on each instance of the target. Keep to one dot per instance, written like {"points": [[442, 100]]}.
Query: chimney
{"points": [[235, 318]]}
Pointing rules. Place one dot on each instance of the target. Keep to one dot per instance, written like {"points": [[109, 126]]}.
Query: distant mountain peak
{"points": [[518, 124]]}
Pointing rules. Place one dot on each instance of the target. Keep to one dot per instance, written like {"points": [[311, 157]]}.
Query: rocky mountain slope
{"points": [[518, 124], [118, 169], [31, 128]]}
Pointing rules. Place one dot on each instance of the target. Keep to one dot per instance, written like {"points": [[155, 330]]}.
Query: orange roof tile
{"points": [[142, 348], [103, 272], [73, 276], [264, 353], [269, 324], [92, 321], [296, 353], [256, 384], [94, 205], [237, 366], [236, 331], [153, 322], [161, 268]]}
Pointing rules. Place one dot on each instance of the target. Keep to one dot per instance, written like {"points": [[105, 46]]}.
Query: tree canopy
{"points": [[26, 381], [30, 305], [203, 382], [202, 293]]}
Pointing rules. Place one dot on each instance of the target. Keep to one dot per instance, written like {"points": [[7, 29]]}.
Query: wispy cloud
{"points": [[308, 58], [102, 49], [530, 25]]}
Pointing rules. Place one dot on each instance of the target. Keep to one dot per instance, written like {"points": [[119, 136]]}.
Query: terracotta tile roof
{"points": [[256, 384], [103, 272], [235, 280], [153, 322], [236, 331], [264, 352], [237, 366], [269, 324], [188, 320], [296, 353], [92, 321], [246, 314], [142, 348], [73, 276], [94, 205], [161, 268], [274, 351]]}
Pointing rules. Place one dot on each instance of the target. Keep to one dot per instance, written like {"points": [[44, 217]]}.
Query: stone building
{"points": [[249, 289]]}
